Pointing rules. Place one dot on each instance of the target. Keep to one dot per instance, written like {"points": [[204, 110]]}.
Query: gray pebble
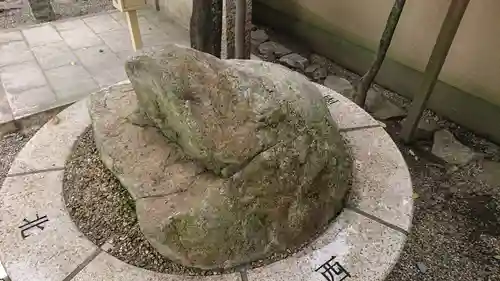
{"points": [[421, 267]]}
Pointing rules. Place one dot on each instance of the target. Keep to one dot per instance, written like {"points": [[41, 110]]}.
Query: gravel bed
{"points": [[105, 213], [456, 224]]}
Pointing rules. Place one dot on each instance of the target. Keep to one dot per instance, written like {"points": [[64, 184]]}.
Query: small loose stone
{"points": [[339, 85], [316, 72], [294, 61], [273, 48], [422, 267], [259, 36]]}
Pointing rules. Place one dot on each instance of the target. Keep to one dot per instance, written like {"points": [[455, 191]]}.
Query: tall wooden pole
{"points": [[441, 48]]}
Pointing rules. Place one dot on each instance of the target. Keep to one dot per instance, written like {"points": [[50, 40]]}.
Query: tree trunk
{"points": [[206, 26], [364, 84]]}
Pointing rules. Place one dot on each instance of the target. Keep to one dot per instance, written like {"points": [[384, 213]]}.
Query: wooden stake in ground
{"points": [[361, 88], [206, 26], [130, 7], [133, 27], [441, 48]]}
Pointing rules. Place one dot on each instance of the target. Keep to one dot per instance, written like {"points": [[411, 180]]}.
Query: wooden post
{"points": [[441, 48], [133, 27]]}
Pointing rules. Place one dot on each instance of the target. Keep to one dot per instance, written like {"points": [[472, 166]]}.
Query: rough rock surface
{"points": [[191, 97], [126, 140], [251, 163]]}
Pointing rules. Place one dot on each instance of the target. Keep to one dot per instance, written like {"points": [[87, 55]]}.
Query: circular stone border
{"points": [[38, 240]]}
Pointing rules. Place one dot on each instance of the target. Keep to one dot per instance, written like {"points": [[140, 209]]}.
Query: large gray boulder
{"points": [[259, 164]]}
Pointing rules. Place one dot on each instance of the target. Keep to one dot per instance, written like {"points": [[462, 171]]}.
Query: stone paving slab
{"points": [[15, 52], [6, 37], [102, 23], [353, 241], [117, 40], [47, 149], [69, 25], [53, 64], [382, 177], [80, 36], [54, 55], [346, 114], [102, 64], [107, 267], [71, 82], [49, 252], [32, 100], [146, 26], [41, 35], [17, 78]]}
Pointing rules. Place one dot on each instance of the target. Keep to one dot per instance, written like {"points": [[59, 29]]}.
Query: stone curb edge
{"points": [[303, 261]]}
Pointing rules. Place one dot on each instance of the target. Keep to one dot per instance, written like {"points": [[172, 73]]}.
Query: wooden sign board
{"points": [[129, 5]]}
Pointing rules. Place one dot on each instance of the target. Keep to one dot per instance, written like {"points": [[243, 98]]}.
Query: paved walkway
{"points": [[53, 64]]}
